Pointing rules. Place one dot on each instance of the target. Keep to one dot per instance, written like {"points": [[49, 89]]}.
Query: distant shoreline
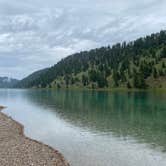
{"points": [[17, 149], [102, 89]]}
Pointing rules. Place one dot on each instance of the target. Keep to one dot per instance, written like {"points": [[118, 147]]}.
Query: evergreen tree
{"points": [[116, 78], [84, 80], [163, 65], [67, 79], [129, 85], [163, 52], [102, 82], [155, 74]]}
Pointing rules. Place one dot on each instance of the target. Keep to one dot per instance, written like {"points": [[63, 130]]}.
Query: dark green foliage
{"points": [[72, 80], [145, 69], [116, 78], [135, 61], [98, 77], [122, 76], [67, 79], [163, 52], [161, 72], [129, 85], [93, 86], [58, 86], [84, 80], [163, 65], [101, 81], [93, 75], [155, 74], [139, 81]]}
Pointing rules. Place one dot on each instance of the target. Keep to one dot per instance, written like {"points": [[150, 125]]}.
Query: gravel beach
{"points": [[18, 150]]}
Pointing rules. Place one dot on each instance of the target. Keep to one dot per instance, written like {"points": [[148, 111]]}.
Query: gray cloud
{"points": [[35, 34]]}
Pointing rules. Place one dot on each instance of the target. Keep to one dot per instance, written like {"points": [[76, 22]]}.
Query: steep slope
{"points": [[137, 64]]}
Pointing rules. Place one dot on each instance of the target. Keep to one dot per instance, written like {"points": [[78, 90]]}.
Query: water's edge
{"points": [[60, 156]]}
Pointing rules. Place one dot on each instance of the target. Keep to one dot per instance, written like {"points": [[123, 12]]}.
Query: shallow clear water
{"points": [[94, 128]]}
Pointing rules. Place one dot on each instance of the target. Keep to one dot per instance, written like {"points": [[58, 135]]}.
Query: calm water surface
{"points": [[94, 128]]}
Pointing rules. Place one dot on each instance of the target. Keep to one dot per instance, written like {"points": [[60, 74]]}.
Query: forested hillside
{"points": [[137, 64]]}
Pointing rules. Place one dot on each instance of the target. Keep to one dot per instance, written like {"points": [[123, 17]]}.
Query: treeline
{"points": [[133, 65]]}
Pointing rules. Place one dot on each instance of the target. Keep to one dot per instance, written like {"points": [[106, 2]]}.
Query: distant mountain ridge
{"points": [[137, 64], [6, 82], [24, 83]]}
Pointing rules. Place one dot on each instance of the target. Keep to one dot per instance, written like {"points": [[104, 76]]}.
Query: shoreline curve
{"points": [[19, 150]]}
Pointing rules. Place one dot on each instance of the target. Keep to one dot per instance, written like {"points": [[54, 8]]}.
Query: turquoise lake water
{"points": [[94, 128]]}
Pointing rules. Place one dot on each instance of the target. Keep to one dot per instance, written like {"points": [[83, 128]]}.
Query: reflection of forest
{"points": [[140, 115]]}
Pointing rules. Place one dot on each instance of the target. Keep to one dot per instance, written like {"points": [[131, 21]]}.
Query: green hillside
{"points": [[139, 64]]}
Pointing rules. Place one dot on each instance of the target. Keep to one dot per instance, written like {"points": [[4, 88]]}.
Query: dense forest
{"points": [[138, 64]]}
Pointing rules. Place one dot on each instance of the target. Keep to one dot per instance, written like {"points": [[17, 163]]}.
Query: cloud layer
{"points": [[35, 34]]}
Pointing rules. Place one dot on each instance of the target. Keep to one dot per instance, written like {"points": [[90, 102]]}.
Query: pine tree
{"points": [[116, 78], [129, 85], [84, 80], [155, 74], [163, 64]]}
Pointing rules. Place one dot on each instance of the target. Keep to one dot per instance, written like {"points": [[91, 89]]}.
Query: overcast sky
{"points": [[35, 34]]}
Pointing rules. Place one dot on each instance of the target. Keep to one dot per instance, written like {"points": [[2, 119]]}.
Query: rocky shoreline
{"points": [[18, 150]]}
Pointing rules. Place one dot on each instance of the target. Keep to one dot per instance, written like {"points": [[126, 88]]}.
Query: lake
{"points": [[94, 128]]}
